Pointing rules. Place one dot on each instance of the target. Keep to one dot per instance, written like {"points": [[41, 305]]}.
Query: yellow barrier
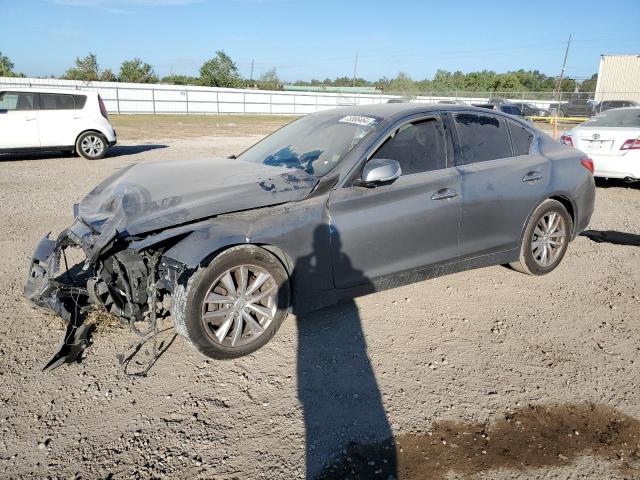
{"points": [[552, 120]]}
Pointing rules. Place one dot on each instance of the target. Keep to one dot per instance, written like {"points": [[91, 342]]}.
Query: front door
{"points": [[18, 120], [409, 223]]}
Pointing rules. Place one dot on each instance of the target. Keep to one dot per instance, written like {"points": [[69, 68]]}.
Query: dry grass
{"points": [[139, 127], [104, 322]]}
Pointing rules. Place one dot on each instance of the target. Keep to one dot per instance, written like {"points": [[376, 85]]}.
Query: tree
{"points": [[180, 80], [86, 69], [108, 76], [137, 71], [6, 67], [402, 84], [590, 84], [220, 71], [269, 80]]}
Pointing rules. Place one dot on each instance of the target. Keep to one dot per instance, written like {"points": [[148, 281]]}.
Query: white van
{"points": [[51, 119]]}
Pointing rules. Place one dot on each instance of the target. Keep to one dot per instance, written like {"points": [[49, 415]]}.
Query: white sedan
{"points": [[612, 140]]}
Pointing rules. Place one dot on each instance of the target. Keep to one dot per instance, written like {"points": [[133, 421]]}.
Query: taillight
{"points": [[566, 139], [631, 144], [103, 109], [587, 163]]}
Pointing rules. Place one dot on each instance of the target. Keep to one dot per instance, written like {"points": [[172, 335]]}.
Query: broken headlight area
{"points": [[133, 285]]}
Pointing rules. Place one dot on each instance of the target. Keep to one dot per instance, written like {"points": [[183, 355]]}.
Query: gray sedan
{"points": [[336, 204]]}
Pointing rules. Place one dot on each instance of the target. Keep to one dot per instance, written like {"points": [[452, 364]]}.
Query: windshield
{"points": [[315, 143], [615, 118]]}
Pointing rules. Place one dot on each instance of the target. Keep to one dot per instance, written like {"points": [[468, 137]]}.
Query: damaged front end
{"points": [[75, 272]]}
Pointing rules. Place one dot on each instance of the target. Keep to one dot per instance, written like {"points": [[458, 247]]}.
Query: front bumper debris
{"points": [[53, 285]]}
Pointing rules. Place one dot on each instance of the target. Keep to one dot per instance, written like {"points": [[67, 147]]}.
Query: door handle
{"points": [[532, 177], [443, 194], [29, 119]]}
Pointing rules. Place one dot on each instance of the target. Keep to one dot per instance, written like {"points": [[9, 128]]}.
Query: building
{"points": [[618, 78]]}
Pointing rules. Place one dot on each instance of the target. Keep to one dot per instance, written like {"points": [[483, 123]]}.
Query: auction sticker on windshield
{"points": [[358, 120]]}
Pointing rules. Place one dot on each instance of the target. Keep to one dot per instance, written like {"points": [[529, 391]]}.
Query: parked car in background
{"points": [[578, 105], [336, 204], [452, 102], [612, 140], [532, 110], [609, 104], [55, 120], [509, 108]]}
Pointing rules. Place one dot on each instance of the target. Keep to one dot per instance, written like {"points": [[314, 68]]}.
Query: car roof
{"points": [[26, 88], [622, 109], [387, 110]]}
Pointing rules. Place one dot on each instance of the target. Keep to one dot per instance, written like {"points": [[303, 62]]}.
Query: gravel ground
{"points": [[481, 374]]}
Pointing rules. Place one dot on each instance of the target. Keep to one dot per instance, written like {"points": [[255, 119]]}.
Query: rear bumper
{"points": [[617, 166], [113, 141]]}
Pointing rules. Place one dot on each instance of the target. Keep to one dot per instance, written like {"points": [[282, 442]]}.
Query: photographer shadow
{"points": [[337, 388]]}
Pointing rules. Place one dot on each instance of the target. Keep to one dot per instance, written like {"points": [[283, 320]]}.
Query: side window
{"points": [[16, 101], [520, 137], [482, 137], [56, 101], [418, 146], [80, 101]]}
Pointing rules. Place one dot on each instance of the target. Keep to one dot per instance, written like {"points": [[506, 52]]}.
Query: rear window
{"points": [[57, 101], [521, 138], [511, 110], [16, 101], [615, 118], [482, 137]]}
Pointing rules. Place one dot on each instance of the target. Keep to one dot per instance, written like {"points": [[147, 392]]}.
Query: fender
{"points": [[299, 238]]}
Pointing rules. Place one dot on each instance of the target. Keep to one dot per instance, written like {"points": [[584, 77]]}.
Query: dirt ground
{"points": [[482, 374]]}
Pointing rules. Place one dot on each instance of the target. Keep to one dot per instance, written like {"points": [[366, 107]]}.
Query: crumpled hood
{"points": [[154, 195]]}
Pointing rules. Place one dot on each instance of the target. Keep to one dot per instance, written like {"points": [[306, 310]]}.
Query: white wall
{"points": [[619, 78], [155, 98]]}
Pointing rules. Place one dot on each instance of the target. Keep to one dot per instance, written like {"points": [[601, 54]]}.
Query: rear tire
{"points": [[91, 145], [545, 239], [235, 305]]}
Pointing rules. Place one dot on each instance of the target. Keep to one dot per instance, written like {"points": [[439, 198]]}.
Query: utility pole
{"points": [[355, 69], [564, 65], [559, 86], [251, 76]]}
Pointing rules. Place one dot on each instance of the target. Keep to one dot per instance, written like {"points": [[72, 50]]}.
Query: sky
{"points": [[319, 39]]}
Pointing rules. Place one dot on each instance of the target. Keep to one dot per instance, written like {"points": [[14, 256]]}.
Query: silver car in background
{"points": [[612, 140]]}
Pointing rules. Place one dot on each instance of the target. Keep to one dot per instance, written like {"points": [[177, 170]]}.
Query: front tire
{"points": [[545, 240], [91, 145], [235, 305]]}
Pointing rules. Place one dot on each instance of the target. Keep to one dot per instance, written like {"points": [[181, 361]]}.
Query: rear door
{"points": [[409, 223], [18, 120], [60, 119], [503, 179]]}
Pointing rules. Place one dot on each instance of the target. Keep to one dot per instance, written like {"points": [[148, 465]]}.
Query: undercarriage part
{"points": [[122, 285], [75, 340]]}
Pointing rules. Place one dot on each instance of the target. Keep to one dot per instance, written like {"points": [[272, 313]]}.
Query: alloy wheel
{"points": [[92, 145], [548, 239], [240, 305]]}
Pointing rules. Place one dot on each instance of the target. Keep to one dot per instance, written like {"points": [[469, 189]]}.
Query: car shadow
{"points": [[612, 236], [115, 151], [616, 183], [120, 150], [340, 397]]}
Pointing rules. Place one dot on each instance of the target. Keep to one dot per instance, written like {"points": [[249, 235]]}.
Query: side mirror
{"points": [[380, 170]]}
